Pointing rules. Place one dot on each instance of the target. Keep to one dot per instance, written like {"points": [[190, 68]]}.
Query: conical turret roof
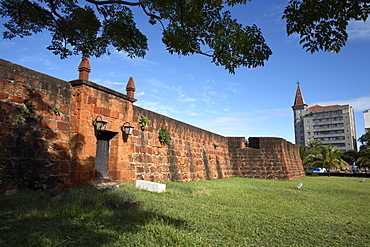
{"points": [[298, 97]]}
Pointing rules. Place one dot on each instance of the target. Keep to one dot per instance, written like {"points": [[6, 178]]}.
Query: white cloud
{"points": [[250, 123], [160, 84], [275, 112], [137, 61], [183, 98], [190, 76], [206, 99], [6, 44], [228, 125], [359, 30], [212, 111], [108, 82], [169, 111], [358, 104], [40, 59]]}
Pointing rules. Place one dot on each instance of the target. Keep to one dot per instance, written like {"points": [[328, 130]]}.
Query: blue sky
{"points": [[253, 102]]}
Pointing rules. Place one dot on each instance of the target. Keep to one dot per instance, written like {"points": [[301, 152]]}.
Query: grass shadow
{"points": [[85, 216]]}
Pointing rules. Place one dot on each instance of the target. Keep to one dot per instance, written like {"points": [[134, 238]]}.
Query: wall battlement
{"points": [[47, 137]]}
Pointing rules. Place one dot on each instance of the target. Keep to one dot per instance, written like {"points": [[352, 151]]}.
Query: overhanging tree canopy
{"points": [[90, 27], [322, 24]]}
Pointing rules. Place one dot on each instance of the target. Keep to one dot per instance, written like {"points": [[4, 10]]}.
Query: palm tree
{"points": [[306, 155], [330, 157], [364, 159], [315, 144]]}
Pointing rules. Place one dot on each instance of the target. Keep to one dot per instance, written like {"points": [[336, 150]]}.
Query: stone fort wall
{"points": [[35, 127], [194, 154], [267, 158], [48, 137]]}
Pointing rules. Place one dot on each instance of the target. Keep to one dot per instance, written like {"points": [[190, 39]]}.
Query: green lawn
{"points": [[326, 211]]}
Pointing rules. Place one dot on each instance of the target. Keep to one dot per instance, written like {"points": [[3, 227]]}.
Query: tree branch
{"points": [[63, 20], [158, 18], [186, 32], [114, 1]]}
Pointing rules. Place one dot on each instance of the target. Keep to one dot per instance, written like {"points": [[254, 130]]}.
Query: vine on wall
{"points": [[164, 136], [143, 122]]}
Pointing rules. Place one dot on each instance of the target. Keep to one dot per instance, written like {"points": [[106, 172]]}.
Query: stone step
{"points": [[106, 183]]}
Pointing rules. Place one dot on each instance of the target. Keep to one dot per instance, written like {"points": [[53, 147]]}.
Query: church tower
{"points": [[299, 110]]}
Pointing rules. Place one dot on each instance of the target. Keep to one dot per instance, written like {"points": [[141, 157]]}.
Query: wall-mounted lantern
{"points": [[99, 124], [127, 129]]}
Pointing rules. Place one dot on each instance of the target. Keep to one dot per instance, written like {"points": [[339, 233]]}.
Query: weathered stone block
{"points": [[151, 186]]}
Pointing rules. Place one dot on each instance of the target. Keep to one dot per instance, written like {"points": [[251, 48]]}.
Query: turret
{"points": [[130, 88], [84, 69]]}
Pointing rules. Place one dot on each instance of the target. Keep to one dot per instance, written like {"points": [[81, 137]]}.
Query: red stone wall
{"points": [[265, 157], [91, 100], [195, 154], [47, 136], [34, 139]]}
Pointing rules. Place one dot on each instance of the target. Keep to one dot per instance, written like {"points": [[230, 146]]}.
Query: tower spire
{"points": [[298, 96]]}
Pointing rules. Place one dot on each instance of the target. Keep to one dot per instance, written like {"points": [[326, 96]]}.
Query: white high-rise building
{"points": [[332, 125], [367, 120]]}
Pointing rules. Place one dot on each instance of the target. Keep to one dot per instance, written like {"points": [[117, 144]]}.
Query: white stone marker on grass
{"points": [[151, 186]]}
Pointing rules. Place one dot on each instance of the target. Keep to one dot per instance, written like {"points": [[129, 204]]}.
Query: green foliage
{"points": [[173, 166], [143, 122], [189, 27], [315, 144], [221, 212], [164, 136], [56, 111], [322, 24], [309, 154], [21, 120], [26, 112], [29, 176], [306, 156], [364, 157], [330, 157], [365, 139], [318, 155], [29, 173], [350, 156]]}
